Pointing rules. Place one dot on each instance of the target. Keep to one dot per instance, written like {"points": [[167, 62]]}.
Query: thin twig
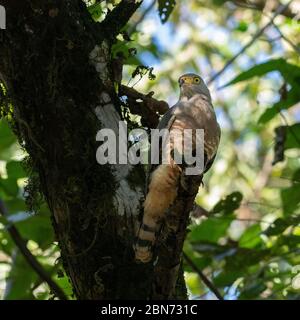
{"points": [[246, 203], [32, 261], [288, 178], [248, 44], [203, 277], [296, 48], [242, 219], [260, 6], [211, 215]]}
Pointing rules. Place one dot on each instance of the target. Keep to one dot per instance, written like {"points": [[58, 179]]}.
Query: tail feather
{"points": [[162, 193]]}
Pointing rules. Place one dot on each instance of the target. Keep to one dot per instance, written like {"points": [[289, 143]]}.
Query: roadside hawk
{"points": [[194, 110]]}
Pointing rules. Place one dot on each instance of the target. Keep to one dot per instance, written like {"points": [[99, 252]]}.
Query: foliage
{"points": [[290, 74], [165, 8], [248, 245]]}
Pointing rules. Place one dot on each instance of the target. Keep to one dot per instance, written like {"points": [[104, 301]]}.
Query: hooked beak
{"points": [[185, 80]]}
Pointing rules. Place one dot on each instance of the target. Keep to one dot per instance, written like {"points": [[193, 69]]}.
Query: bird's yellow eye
{"points": [[197, 80]]}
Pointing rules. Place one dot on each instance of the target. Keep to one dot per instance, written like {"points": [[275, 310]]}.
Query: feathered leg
{"points": [[162, 193]]}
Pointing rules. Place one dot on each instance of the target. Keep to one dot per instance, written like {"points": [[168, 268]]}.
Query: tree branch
{"points": [[203, 277], [117, 18], [260, 5], [144, 105], [171, 238], [36, 266]]}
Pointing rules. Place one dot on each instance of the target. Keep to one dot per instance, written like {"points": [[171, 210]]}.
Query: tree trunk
{"points": [[57, 70]]}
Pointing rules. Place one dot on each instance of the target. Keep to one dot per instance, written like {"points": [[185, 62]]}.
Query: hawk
{"points": [[194, 110]]}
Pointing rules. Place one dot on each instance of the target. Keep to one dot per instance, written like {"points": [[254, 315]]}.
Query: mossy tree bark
{"points": [[56, 66]]}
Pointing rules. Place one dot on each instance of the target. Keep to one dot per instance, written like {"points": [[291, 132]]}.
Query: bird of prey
{"points": [[194, 110]]}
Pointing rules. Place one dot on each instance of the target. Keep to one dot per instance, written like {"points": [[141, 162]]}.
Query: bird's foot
{"points": [[143, 254]]}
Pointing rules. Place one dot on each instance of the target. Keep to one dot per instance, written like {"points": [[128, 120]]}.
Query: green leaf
{"points": [[210, 230], [242, 26], [226, 278], [96, 10], [219, 2], [15, 205], [229, 204], [290, 199], [293, 137], [277, 227], [193, 283], [165, 8], [281, 224], [64, 283], [243, 258], [289, 71], [289, 240], [200, 261], [37, 228], [7, 139], [9, 186], [251, 237], [20, 279], [253, 290], [128, 53], [15, 170], [293, 96], [6, 244]]}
